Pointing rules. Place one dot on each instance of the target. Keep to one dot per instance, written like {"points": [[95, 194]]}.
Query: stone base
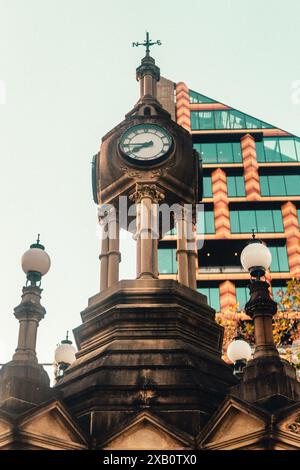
{"points": [[24, 381], [270, 382], [146, 345]]}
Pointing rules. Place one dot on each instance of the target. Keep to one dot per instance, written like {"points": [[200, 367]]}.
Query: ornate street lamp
{"points": [[64, 356], [35, 263], [239, 352], [23, 377], [256, 258]]}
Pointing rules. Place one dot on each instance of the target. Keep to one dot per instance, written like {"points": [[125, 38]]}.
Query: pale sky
{"points": [[67, 76]]}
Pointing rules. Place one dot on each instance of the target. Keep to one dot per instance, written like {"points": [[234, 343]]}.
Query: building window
{"points": [[280, 261], [276, 290], [242, 297], [236, 186], [280, 185], [229, 119], [213, 296], [207, 186], [167, 263], [205, 222], [278, 149], [261, 221], [226, 152]]}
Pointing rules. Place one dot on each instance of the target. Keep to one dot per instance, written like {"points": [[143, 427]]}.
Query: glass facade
{"points": [[280, 261], [207, 186], [261, 221], [225, 152], [280, 185], [198, 98], [278, 149], [213, 296], [208, 220], [242, 296], [229, 119], [236, 186], [276, 290], [167, 263]]}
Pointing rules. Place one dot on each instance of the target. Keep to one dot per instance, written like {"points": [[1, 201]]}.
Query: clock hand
{"points": [[137, 147], [143, 144]]}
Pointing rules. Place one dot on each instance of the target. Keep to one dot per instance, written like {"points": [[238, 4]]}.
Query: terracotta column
{"points": [[183, 113], [227, 295], [147, 197], [182, 253], [29, 313], [291, 228], [251, 176], [261, 308], [221, 207], [113, 254]]}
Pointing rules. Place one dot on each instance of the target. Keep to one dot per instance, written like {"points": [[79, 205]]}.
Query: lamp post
{"points": [[35, 263], [256, 258], [267, 378], [23, 377]]}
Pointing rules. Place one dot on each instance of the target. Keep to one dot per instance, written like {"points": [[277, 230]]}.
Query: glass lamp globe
{"points": [[35, 262], [65, 353], [256, 258], [239, 350]]}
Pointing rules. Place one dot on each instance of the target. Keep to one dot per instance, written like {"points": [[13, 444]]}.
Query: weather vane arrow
{"points": [[147, 43]]}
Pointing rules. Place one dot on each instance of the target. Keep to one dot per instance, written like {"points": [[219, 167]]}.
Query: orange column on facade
{"points": [[291, 228], [251, 175], [227, 295], [183, 113], [221, 208]]}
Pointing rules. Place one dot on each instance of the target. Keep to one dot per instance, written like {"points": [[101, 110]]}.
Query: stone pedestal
{"points": [[146, 345]]}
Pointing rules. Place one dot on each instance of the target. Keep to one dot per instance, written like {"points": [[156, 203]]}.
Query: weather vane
{"points": [[147, 43]]}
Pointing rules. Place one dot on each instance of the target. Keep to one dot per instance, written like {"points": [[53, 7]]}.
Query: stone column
{"points": [[113, 254], [103, 257], [182, 247], [261, 308], [29, 313], [251, 176], [147, 197], [149, 85], [192, 255]]}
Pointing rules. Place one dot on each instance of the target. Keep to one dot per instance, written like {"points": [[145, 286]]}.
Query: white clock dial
{"points": [[145, 142]]}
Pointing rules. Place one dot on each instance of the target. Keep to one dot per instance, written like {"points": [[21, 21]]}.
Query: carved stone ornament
{"points": [[147, 191], [131, 172], [163, 170], [295, 426]]}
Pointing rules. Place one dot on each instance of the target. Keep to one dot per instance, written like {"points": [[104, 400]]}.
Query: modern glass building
{"points": [[251, 182]]}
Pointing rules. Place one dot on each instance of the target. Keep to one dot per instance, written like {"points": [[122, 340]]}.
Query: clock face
{"points": [[145, 142]]}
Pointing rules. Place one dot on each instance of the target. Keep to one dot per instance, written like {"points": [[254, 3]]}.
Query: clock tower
{"points": [[148, 372]]}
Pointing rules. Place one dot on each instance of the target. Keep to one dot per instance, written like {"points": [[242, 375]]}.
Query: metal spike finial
{"points": [[147, 43]]}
